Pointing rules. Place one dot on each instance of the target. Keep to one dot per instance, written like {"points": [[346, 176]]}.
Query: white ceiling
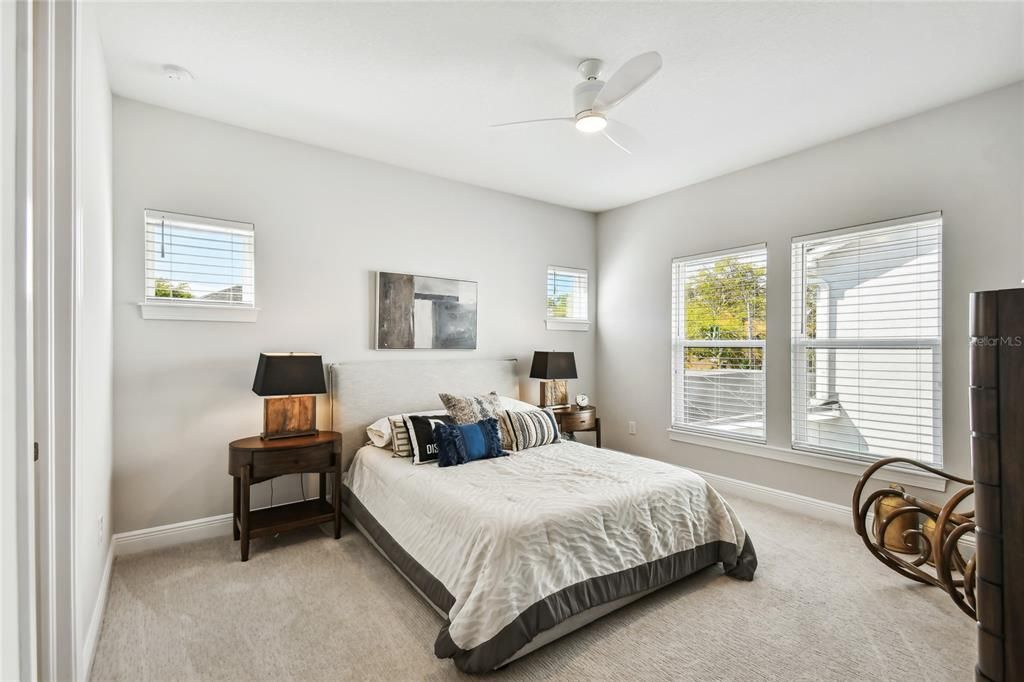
{"points": [[417, 84]]}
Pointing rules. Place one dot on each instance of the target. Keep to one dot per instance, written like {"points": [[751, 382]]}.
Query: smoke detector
{"points": [[180, 74]]}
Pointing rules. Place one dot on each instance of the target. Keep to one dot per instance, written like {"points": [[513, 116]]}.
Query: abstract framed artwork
{"points": [[414, 312]]}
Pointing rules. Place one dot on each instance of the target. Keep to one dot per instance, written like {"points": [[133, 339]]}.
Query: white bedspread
{"points": [[503, 534]]}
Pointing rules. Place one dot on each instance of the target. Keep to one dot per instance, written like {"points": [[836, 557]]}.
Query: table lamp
{"points": [[289, 383], [553, 369]]}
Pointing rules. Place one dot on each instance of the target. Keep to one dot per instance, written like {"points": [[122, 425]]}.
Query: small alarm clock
{"points": [[582, 400]]}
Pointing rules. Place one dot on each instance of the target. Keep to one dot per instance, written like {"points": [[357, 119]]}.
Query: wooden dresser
{"points": [[997, 453]]}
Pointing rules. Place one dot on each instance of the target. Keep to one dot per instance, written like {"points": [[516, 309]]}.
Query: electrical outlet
{"points": [[632, 428]]}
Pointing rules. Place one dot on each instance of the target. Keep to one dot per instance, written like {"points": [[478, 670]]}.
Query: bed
{"points": [[518, 551]]}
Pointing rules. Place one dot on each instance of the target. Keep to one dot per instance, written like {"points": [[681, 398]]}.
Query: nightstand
{"points": [[574, 419], [254, 460]]}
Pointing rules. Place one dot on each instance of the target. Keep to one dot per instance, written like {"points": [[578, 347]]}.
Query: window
{"points": [[198, 268], [867, 326], [718, 349], [567, 300]]}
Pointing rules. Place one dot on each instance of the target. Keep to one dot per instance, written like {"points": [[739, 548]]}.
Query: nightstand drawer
{"points": [[578, 421], [290, 461]]}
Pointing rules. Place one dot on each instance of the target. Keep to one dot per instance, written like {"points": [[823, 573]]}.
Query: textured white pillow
{"points": [[515, 405], [379, 432]]}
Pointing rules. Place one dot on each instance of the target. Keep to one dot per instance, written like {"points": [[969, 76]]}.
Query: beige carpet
{"points": [[307, 607]]}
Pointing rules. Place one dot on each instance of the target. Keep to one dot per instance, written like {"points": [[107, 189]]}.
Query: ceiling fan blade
{"points": [[616, 142], [627, 80], [623, 137], [532, 120]]}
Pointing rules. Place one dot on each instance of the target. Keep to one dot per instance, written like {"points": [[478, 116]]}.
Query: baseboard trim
{"points": [[172, 534], [217, 526], [99, 609], [800, 504]]}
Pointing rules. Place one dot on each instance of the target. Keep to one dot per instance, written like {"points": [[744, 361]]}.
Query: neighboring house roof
{"points": [[232, 294]]}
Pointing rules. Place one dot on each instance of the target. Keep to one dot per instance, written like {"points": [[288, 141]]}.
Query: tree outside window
{"points": [[726, 301]]}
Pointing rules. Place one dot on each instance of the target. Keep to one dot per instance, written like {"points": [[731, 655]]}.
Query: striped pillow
{"points": [[398, 435], [530, 428], [400, 443]]}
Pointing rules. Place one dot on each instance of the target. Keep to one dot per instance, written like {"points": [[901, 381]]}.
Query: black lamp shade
{"points": [[289, 374], [552, 365]]}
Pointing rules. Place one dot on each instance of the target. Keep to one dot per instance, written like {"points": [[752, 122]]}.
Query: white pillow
{"points": [[379, 431], [515, 405]]}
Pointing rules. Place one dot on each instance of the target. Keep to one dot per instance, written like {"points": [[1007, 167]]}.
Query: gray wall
{"points": [[964, 159], [93, 332], [324, 221]]}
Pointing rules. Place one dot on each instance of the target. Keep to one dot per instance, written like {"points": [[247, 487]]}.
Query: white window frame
{"points": [[160, 308], [680, 344], [798, 385], [567, 323]]}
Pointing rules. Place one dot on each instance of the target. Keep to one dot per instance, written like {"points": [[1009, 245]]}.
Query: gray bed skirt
{"points": [[558, 607]]}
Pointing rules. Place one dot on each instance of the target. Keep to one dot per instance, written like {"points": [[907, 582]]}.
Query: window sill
{"points": [[891, 474], [567, 325], [196, 312]]}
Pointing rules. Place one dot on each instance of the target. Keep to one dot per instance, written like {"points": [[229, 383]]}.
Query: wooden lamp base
{"points": [[289, 417], [554, 393]]}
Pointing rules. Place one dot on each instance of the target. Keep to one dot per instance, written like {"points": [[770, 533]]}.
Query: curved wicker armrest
{"points": [[939, 548]]}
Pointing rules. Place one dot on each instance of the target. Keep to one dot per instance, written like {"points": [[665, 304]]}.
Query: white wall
{"points": [[324, 222], [964, 159], [94, 340]]}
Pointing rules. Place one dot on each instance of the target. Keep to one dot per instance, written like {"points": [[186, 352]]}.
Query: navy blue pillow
{"points": [[462, 443], [482, 440], [450, 447]]}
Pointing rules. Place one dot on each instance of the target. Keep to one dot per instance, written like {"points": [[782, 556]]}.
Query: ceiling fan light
{"points": [[591, 123], [173, 72]]}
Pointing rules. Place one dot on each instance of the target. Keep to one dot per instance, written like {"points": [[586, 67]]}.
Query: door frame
{"points": [[53, 261], [39, 274], [19, 657]]}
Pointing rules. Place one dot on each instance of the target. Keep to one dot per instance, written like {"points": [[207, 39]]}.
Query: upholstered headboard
{"points": [[363, 392]]}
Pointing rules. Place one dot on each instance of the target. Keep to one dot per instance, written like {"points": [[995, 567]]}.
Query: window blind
{"points": [[719, 343], [567, 294], [196, 260], [867, 352]]}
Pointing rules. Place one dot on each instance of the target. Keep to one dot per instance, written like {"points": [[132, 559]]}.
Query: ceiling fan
{"points": [[594, 98]]}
